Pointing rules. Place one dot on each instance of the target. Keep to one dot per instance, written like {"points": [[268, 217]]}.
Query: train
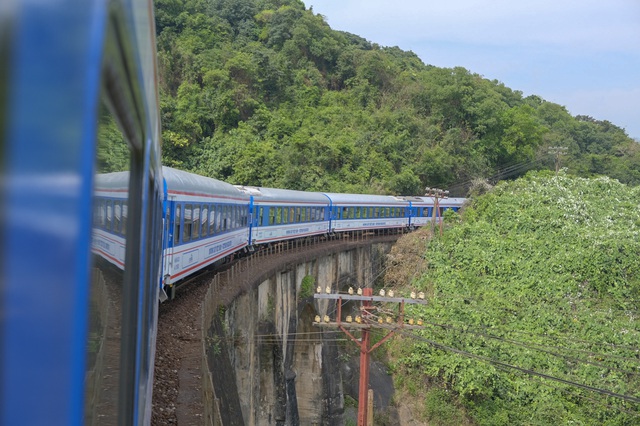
{"points": [[208, 221], [95, 232]]}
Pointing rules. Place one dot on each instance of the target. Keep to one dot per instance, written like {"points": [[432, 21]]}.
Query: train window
{"points": [[117, 215], [285, 215], [387, 212], [187, 222], [177, 227], [195, 229], [297, 220], [109, 224], [260, 218], [104, 338], [205, 217], [271, 213], [234, 217], [102, 215], [212, 219], [225, 218], [278, 215], [125, 213]]}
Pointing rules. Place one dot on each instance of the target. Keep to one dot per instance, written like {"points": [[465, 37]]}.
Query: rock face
{"points": [[287, 371]]}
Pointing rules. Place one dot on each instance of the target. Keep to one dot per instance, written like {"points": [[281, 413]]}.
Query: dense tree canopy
{"points": [[541, 274], [264, 92]]}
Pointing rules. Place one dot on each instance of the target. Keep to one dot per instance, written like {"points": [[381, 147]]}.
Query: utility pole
{"points": [[436, 194], [371, 316], [558, 151]]}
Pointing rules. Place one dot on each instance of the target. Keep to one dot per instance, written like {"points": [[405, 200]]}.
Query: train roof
{"points": [[112, 181], [444, 201], [283, 195], [366, 199], [180, 182]]}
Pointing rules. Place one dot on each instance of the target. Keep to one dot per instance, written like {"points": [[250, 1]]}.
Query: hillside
{"points": [[541, 274], [264, 92]]}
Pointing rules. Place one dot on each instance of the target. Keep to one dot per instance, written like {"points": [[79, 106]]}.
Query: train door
{"points": [[170, 234]]}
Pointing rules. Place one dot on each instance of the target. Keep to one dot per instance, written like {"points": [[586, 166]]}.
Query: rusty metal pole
{"points": [[364, 364]]}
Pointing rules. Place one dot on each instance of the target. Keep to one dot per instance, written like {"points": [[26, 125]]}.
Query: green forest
{"points": [[541, 274], [264, 92]]}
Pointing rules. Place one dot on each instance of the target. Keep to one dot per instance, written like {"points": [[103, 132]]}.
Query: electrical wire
{"points": [[534, 347], [521, 369]]}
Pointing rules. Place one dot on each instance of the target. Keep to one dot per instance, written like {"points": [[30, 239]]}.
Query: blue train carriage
{"points": [[206, 220], [110, 211], [356, 212], [283, 214], [423, 209], [78, 99]]}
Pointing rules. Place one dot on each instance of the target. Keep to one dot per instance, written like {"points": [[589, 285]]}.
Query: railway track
{"points": [[177, 394]]}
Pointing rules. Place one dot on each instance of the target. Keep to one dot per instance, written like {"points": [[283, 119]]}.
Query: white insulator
{"points": [[420, 322], [411, 321], [319, 289], [350, 290], [391, 293], [317, 318], [413, 294], [327, 290], [359, 292], [421, 295], [326, 318], [389, 320], [382, 292], [349, 318], [358, 319], [380, 320]]}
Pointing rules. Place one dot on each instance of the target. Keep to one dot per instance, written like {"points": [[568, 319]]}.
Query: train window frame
{"points": [[195, 222], [134, 106], [204, 220], [260, 216], [177, 224], [187, 223], [212, 220]]}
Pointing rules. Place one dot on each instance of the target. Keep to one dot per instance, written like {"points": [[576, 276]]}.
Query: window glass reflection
{"points": [[110, 196]]}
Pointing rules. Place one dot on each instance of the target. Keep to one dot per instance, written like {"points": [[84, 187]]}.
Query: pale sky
{"points": [[582, 54]]}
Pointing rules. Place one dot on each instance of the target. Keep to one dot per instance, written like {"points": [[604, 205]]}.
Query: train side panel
{"points": [[281, 214], [350, 212]]}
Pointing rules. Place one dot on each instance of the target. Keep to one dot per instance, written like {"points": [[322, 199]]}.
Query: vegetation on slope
{"points": [[264, 92], [542, 273]]}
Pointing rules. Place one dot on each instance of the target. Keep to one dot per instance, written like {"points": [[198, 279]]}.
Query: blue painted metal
{"points": [[53, 66]]}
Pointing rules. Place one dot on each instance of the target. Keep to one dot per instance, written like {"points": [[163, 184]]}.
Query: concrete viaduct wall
{"points": [[266, 364]]}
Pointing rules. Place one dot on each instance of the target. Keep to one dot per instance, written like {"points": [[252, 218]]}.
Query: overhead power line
{"points": [[505, 365]]}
